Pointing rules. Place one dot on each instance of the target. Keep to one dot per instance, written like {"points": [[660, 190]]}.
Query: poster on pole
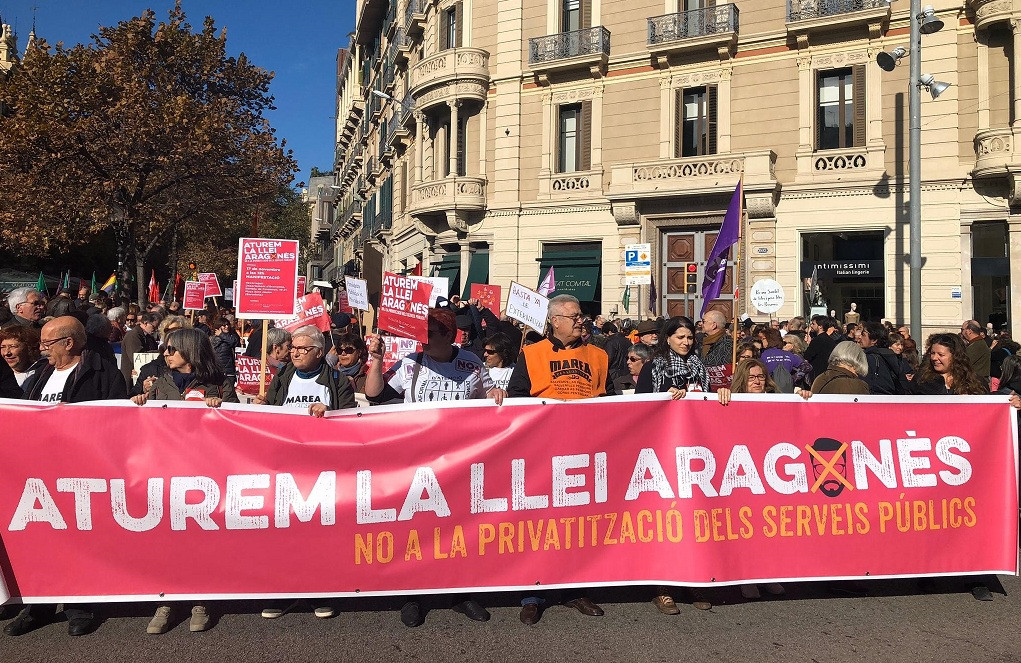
{"points": [[440, 284], [300, 291], [267, 277], [404, 306], [767, 296], [527, 306], [357, 293], [343, 305], [309, 310], [194, 295], [488, 296], [211, 283], [638, 264]]}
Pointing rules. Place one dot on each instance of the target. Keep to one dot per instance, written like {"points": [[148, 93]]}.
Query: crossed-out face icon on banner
{"points": [[829, 464]]}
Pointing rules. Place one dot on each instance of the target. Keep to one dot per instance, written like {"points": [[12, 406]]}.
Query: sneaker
{"points": [[750, 592], [473, 610], [160, 622], [199, 619], [775, 589], [323, 612], [277, 609]]}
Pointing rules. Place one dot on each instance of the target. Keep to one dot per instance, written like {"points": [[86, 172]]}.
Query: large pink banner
{"points": [[115, 502]]}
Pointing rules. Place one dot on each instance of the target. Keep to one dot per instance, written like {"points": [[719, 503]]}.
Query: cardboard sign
{"points": [[357, 293], [248, 374], [194, 295], [310, 311], [527, 306], [267, 277], [404, 306], [140, 359], [212, 284], [488, 296], [300, 292], [440, 284], [343, 303]]}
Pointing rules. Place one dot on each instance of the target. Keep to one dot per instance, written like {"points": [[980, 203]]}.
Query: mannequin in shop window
{"points": [[852, 315]]}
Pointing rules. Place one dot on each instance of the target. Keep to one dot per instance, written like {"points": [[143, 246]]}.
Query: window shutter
{"points": [[711, 124], [585, 20], [585, 151], [462, 146], [817, 114], [405, 185], [858, 83], [445, 31], [458, 25], [678, 122]]}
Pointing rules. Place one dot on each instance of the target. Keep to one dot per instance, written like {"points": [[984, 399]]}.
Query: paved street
{"points": [[895, 623]]}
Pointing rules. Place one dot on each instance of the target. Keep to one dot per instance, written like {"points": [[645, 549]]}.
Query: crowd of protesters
{"points": [[65, 349]]}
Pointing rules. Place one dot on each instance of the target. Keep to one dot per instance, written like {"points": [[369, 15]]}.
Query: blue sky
{"points": [[298, 40]]}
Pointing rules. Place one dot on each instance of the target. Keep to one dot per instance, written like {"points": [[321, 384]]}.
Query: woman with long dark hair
{"points": [[945, 369], [675, 365], [499, 354], [192, 375]]}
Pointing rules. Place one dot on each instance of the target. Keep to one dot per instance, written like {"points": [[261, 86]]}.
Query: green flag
{"points": [[41, 284], [67, 280], [626, 299], [93, 283]]}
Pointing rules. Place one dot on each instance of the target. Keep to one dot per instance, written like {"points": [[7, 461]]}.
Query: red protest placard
{"points": [[300, 291], [343, 305], [267, 277], [248, 374], [194, 295], [404, 306], [212, 284], [395, 349], [488, 295], [310, 311]]}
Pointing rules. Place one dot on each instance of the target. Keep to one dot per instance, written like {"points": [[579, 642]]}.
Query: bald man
{"points": [[717, 346], [73, 375]]}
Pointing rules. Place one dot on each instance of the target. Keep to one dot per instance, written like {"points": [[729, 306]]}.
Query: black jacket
{"points": [[886, 372], [93, 379], [8, 383], [223, 347], [819, 350]]}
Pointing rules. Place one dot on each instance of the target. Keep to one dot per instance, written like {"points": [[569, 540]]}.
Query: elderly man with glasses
{"points": [[73, 375], [308, 382], [28, 306]]}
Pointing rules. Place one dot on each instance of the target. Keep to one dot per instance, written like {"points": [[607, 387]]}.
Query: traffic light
{"points": [[691, 278]]}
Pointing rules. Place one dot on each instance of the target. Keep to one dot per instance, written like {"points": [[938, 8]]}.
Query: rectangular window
{"points": [[462, 146], [571, 16], [695, 131], [450, 23], [568, 132], [445, 166], [840, 108]]}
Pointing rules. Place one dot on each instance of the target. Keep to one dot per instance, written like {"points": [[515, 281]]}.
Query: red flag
{"points": [[154, 288], [178, 287], [417, 271]]}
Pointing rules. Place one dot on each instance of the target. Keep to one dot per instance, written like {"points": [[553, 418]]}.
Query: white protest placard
{"points": [[440, 284], [357, 293], [527, 306], [767, 295], [139, 360]]}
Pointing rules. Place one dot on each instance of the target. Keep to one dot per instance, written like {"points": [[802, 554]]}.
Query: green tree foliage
{"points": [[150, 129]]}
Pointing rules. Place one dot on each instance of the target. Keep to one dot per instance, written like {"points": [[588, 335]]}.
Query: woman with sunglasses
{"points": [[192, 375], [348, 356], [148, 373], [638, 355], [499, 354]]}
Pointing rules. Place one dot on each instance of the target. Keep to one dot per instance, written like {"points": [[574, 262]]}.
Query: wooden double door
{"points": [[678, 249]]}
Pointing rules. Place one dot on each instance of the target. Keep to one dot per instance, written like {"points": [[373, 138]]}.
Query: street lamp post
{"points": [[915, 172]]}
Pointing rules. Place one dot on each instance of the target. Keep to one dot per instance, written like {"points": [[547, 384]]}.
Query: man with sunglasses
{"points": [[73, 375]]}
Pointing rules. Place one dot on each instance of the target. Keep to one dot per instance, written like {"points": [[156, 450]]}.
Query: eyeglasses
{"points": [[46, 345], [487, 351], [347, 351], [576, 318], [633, 359], [758, 378], [169, 350], [302, 349], [34, 302]]}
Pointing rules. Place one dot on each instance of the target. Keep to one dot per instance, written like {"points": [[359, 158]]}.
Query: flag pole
{"points": [[737, 271]]}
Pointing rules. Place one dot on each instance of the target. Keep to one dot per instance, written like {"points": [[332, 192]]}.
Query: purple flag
{"points": [[653, 298], [716, 264]]}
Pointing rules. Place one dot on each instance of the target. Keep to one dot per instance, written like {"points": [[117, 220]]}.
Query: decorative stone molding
{"points": [[990, 12], [456, 73], [841, 59], [994, 152], [578, 184], [569, 96], [697, 78], [841, 164], [625, 213], [761, 205]]}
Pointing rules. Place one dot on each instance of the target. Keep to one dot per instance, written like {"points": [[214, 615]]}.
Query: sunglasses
{"points": [[347, 351], [487, 351], [633, 359], [169, 350]]}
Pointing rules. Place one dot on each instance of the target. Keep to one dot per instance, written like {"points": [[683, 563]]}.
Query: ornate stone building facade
{"points": [[489, 140]]}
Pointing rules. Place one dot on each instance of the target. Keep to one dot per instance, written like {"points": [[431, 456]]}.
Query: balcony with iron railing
{"points": [[346, 223], [403, 45], [709, 27], [398, 128], [807, 16], [389, 67], [456, 74], [560, 53], [415, 17]]}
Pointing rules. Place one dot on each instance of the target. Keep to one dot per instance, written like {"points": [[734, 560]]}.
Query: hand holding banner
{"points": [[527, 306], [404, 306]]}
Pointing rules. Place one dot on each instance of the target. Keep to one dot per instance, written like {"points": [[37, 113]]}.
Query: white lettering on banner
{"points": [[910, 462]]}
